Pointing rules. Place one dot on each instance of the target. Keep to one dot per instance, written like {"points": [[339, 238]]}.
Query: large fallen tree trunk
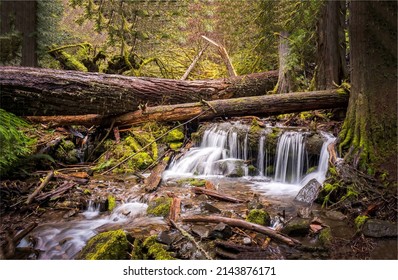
{"points": [[255, 105], [36, 91]]}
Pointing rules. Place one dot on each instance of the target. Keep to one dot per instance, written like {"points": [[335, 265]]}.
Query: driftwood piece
{"points": [[44, 183], [57, 192], [76, 179], [247, 225], [152, 182], [45, 92], [216, 194]]}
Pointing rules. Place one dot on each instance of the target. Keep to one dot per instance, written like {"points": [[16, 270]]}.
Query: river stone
{"points": [[222, 231], [335, 215], [309, 192], [201, 231], [297, 227], [379, 228], [164, 238], [210, 208]]}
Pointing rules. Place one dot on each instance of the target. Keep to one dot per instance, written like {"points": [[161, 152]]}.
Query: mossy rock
{"points": [[259, 216], [325, 237], [111, 202], [297, 227], [150, 249], [175, 135], [159, 207], [193, 182], [111, 245], [175, 145], [67, 145], [140, 161]]}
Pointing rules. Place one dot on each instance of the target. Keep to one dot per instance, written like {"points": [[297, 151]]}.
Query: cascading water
{"points": [[225, 151], [290, 157], [63, 240]]}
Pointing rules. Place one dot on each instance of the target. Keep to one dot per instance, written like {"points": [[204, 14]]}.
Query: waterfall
{"points": [[261, 156], [290, 156]]}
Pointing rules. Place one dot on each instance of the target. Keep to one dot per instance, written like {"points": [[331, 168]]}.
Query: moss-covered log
{"points": [[34, 91]]}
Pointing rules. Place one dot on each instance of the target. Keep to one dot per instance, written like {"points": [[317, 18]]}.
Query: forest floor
{"points": [[330, 232]]}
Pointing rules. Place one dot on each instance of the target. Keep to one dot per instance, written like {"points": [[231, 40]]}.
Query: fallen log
{"points": [[36, 91], [216, 194], [253, 106], [243, 224], [44, 183]]}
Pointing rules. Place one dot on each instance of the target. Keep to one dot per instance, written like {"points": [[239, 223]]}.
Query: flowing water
{"points": [[225, 151]]}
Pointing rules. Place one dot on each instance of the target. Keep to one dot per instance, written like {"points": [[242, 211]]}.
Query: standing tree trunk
{"points": [[331, 64], [370, 128], [285, 83], [21, 16]]}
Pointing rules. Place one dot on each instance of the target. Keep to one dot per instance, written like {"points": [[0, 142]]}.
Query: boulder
{"points": [[379, 228], [309, 192]]}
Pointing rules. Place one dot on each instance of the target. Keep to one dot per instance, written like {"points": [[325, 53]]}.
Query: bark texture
{"points": [[33, 91], [370, 128], [254, 105], [331, 64]]}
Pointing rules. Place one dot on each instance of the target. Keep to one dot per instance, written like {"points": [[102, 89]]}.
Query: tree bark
{"points": [[370, 128], [33, 91], [331, 64], [253, 106]]}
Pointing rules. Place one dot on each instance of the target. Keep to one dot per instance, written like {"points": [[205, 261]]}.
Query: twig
{"points": [[42, 185], [192, 239]]}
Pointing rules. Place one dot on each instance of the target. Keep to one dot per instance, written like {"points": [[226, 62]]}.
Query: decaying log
{"points": [[57, 192], [216, 194], [44, 183], [45, 92], [243, 224], [254, 105], [152, 182]]}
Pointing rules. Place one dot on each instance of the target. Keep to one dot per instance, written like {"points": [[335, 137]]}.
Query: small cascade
{"points": [[63, 240], [262, 157], [290, 160], [223, 151], [92, 211]]}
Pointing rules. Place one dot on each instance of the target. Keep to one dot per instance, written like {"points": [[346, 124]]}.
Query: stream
{"points": [[237, 163]]}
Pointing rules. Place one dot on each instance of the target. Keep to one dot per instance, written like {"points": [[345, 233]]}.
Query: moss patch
{"points": [[150, 249], [159, 207], [111, 202], [111, 245], [259, 216]]}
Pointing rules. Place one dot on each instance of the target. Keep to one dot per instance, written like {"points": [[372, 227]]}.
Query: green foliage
{"points": [[111, 202], [14, 143]]}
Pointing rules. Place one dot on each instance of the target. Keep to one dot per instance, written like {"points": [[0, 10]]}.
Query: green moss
{"points": [[150, 249], [111, 245], [175, 135], [258, 216], [325, 237], [311, 169], [132, 142], [350, 193], [360, 220], [159, 207], [193, 182], [111, 203], [87, 192], [332, 171], [175, 145], [140, 161], [67, 145]]}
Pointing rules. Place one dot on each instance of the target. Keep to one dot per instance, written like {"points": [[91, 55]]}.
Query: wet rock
{"points": [[297, 227], [221, 231], [304, 212], [335, 215], [379, 228], [255, 202], [201, 231], [314, 144], [111, 245], [210, 208], [309, 192], [159, 206], [70, 213], [247, 241], [164, 238]]}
